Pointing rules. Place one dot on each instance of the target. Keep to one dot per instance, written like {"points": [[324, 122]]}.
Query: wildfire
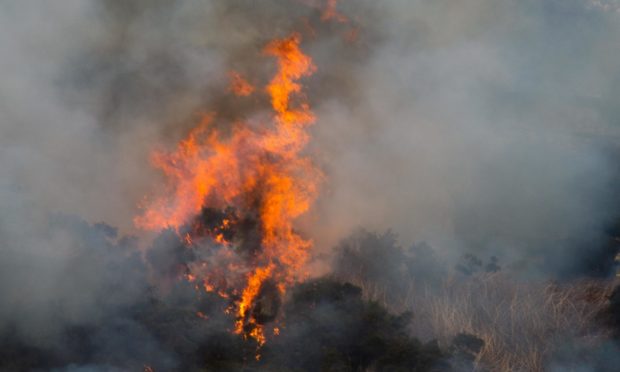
{"points": [[249, 294], [218, 182]]}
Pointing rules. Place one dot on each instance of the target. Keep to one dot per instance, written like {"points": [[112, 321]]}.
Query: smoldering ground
{"points": [[486, 127]]}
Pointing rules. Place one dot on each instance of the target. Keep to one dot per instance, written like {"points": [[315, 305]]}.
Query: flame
{"points": [[255, 282], [251, 291], [293, 65], [257, 170]]}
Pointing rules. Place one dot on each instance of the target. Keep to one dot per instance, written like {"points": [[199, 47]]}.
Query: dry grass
{"points": [[521, 323]]}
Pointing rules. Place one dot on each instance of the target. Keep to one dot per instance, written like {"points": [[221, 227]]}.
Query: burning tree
{"points": [[233, 196]]}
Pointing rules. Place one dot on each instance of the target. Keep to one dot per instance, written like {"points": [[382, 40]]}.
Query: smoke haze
{"points": [[478, 126], [485, 123]]}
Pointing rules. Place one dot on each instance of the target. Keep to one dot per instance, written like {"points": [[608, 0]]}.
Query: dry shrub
{"points": [[523, 323]]}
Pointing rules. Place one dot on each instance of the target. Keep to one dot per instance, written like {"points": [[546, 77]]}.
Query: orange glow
{"points": [[201, 315], [257, 171], [220, 239], [223, 294], [188, 239], [239, 86], [330, 12]]}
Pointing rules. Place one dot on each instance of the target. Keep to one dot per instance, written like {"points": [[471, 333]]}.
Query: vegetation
{"points": [[384, 308], [329, 326], [525, 325]]}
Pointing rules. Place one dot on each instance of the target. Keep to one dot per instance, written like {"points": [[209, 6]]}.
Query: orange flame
{"points": [[255, 281], [258, 171]]}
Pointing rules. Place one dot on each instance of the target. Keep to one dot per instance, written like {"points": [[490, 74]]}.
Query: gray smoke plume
{"points": [[478, 126]]}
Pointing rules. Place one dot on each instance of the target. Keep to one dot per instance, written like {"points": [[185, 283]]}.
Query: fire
{"points": [[293, 65], [249, 294], [221, 182]]}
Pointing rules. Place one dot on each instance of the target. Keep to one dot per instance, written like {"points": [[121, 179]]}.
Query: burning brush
{"points": [[232, 197]]}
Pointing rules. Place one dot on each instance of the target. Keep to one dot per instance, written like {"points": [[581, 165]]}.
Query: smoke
{"points": [[477, 126], [481, 126]]}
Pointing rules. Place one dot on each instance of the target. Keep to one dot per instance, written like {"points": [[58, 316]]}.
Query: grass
{"points": [[524, 324]]}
